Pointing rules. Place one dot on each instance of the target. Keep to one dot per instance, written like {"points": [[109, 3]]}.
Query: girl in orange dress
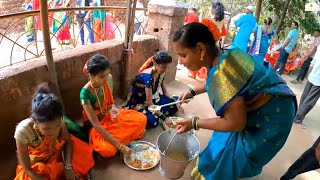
{"points": [[273, 51], [109, 129], [43, 137], [292, 64]]}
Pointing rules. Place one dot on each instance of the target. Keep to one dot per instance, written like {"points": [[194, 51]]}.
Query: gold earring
{"points": [[201, 59], [35, 126]]}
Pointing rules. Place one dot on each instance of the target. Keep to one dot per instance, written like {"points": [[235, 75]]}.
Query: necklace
{"points": [[103, 111], [40, 138]]}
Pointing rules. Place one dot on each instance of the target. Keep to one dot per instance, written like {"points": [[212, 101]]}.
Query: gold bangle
{"points": [[195, 123], [121, 147]]}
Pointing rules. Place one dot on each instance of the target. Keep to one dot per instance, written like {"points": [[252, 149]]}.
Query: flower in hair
{"points": [[85, 68], [212, 27], [146, 64]]}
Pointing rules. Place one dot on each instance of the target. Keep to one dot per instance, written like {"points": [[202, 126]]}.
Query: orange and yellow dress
{"points": [[45, 153], [127, 127]]}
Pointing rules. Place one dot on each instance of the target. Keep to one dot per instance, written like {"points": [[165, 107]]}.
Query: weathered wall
{"points": [[17, 85], [163, 22]]}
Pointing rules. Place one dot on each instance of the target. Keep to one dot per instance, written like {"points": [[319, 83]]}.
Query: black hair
{"points": [[317, 30], [218, 10], [269, 21], [97, 64], [296, 23], [193, 33], [162, 57], [46, 106], [194, 9]]}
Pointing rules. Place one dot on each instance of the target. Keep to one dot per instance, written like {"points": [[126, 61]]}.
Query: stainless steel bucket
{"points": [[182, 150]]}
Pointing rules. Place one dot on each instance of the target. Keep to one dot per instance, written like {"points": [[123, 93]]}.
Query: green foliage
{"points": [[308, 21]]}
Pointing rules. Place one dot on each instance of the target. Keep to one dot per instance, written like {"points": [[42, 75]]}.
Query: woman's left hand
{"points": [[70, 175], [184, 126]]}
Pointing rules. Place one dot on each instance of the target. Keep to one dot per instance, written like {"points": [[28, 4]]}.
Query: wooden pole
{"points": [[131, 31], [127, 30], [47, 47], [126, 53]]}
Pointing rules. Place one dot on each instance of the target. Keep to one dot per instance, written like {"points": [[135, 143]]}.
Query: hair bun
{"points": [[43, 89]]}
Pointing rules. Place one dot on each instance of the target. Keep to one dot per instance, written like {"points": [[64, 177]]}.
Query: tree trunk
{"points": [[284, 12], [228, 25], [258, 10]]}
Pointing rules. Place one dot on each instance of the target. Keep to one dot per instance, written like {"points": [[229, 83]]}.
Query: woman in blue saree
{"points": [[147, 86], [263, 37], [254, 106]]}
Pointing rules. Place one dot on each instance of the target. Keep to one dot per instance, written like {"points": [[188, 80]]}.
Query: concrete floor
{"points": [[298, 141]]}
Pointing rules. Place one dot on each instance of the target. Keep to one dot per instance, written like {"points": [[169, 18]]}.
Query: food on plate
{"points": [[135, 163], [144, 156], [148, 165], [145, 146]]}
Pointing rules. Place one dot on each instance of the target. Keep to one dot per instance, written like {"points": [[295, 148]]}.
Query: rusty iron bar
{"points": [[36, 12], [16, 43], [36, 42], [47, 47]]}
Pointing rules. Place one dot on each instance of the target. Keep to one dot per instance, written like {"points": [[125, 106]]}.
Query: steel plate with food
{"points": [[144, 156]]}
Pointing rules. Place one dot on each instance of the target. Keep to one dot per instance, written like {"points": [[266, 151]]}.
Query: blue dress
{"points": [[246, 24], [264, 44], [138, 97], [233, 155]]}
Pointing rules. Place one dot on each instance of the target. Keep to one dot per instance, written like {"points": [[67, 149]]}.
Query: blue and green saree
{"points": [[234, 155]]}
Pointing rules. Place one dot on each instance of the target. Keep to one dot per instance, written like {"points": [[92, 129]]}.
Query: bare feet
{"points": [[294, 81], [302, 126]]}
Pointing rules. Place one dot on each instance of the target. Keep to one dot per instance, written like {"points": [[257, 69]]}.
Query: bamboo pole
{"points": [[47, 47]]}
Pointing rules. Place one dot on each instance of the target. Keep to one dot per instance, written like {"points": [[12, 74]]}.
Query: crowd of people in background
{"points": [[255, 107], [100, 24]]}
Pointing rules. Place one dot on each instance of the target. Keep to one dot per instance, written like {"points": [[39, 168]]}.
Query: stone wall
{"points": [[18, 82], [163, 22]]}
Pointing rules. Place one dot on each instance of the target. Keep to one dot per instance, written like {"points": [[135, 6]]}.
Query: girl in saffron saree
{"points": [[109, 129], [41, 138], [255, 107]]}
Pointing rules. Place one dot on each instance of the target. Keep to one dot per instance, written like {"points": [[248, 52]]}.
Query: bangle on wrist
{"points": [[195, 123], [162, 116], [121, 147], [192, 92]]}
